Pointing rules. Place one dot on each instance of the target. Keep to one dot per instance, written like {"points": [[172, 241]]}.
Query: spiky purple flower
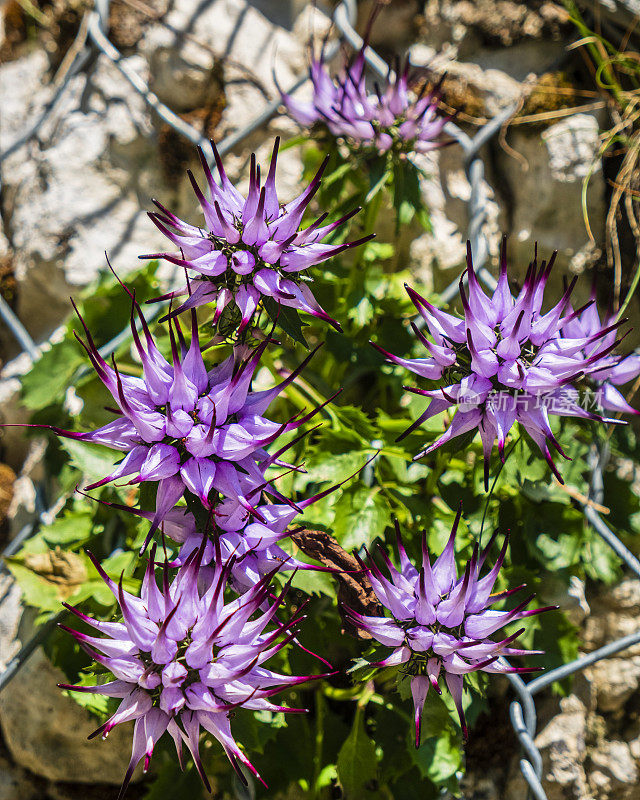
{"points": [[506, 361], [252, 544], [389, 118], [189, 428], [183, 659], [250, 247], [441, 623], [612, 370]]}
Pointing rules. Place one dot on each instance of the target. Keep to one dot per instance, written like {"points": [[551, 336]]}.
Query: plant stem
{"points": [[317, 757], [493, 486]]}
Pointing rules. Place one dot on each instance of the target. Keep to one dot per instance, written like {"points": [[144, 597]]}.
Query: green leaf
{"points": [[357, 762], [377, 251], [287, 318], [327, 466], [355, 419], [36, 591], [313, 582], [361, 514], [50, 376], [255, 729], [379, 176], [76, 525], [93, 460], [439, 758], [171, 781], [98, 704]]}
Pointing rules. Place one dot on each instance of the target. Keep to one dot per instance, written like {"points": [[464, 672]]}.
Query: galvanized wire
{"points": [[522, 710]]}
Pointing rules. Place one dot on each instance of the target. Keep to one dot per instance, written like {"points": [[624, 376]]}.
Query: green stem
{"points": [[371, 212], [493, 486], [317, 757], [630, 293], [602, 64]]}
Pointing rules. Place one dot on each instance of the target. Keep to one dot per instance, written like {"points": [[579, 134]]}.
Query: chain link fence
{"points": [[91, 42]]}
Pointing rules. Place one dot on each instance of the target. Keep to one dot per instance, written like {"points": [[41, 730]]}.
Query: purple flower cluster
{"points": [[505, 361], [183, 658], [612, 370], [442, 623], [250, 247], [392, 118], [189, 428], [188, 653]]}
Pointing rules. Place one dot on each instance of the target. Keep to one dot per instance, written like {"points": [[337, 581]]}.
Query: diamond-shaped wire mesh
{"points": [[92, 40]]}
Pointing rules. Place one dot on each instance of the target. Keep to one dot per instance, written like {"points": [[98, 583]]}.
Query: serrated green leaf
{"points": [[75, 526], [361, 514], [36, 591]]}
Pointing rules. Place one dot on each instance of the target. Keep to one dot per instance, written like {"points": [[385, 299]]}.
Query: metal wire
{"points": [[522, 710], [20, 333]]}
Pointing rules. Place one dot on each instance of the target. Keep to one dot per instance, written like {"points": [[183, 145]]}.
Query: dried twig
{"points": [[355, 588]]}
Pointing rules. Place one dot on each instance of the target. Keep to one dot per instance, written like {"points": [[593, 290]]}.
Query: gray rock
{"points": [[16, 783], [436, 257], [615, 680], [241, 37], [615, 774], [180, 83], [45, 731], [541, 190], [623, 13], [562, 746], [77, 194], [13, 440], [10, 616], [395, 26], [571, 598]]}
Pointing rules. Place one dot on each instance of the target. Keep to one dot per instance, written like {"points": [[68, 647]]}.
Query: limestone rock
{"points": [[395, 25], [615, 680], [571, 598], [181, 84], [562, 744], [45, 731], [542, 188], [615, 614], [498, 22], [242, 38], [78, 192], [16, 783], [13, 440], [625, 596], [563, 748], [10, 616], [615, 774]]}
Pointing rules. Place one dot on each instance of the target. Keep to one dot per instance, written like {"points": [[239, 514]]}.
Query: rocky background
{"points": [[82, 184]]}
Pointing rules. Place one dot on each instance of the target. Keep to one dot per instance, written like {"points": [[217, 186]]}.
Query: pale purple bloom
{"points": [[253, 545], [612, 370], [506, 361], [183, 659], [389, 118], [189, 428], [249, 247], [440, 623]]}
